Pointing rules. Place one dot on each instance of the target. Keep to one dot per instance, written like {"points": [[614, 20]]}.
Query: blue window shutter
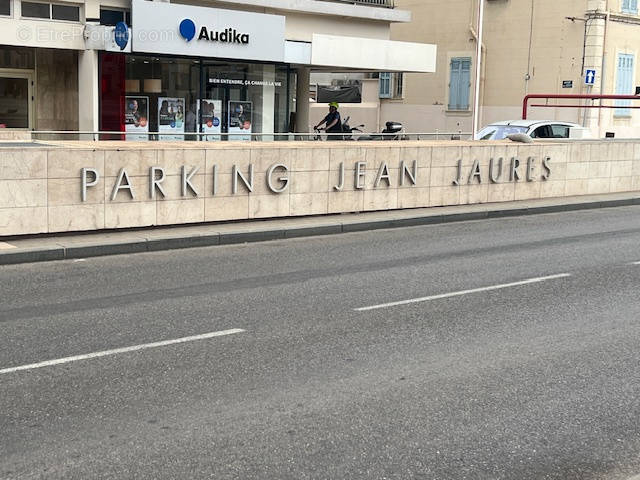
{"points": [[624, 83], [630, 6], [385, 85], [453, 84], [459, 83], [465, 84]]}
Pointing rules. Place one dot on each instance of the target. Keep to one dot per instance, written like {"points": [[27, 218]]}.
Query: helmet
{"points": [[334, 104]]}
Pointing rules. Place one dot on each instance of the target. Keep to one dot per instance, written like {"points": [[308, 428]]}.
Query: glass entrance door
{"points": [[16, 98]]}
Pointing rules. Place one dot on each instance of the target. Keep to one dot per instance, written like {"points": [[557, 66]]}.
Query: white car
{"points": [[533, 128]]}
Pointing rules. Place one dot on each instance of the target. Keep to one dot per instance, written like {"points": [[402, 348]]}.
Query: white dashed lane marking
{"points": [[117, 351], [463, 292]]}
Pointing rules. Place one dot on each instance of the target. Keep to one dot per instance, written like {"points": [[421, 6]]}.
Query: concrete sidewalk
{"points": [[91, 244]]}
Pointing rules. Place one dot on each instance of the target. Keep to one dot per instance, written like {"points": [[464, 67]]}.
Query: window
{"points": [[542, 132], [112, 17], [15, 103], [5, 8], [459, 83], [391, 85], [70, 13], [630, 6], [146, 86], [17, 57], [398, 85], [560, 131], [624, 83], [385, 85], [36, 10], [551, 131], [65, 12]]}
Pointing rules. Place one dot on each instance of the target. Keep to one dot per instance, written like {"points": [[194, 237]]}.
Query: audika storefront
{"points": [[201, 70]]}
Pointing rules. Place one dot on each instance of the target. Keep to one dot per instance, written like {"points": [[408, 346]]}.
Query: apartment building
{"points": [[236, 67], [528, 47]]}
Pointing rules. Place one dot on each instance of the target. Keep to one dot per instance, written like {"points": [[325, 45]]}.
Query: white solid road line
{"points": [[463, 292], [115, 351], [635, 263]]}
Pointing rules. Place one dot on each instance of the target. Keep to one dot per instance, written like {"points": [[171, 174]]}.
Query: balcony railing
{"points": [[370, 3]]}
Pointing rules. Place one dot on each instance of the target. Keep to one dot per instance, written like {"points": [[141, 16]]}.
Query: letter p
{"points": [[86, 184]]}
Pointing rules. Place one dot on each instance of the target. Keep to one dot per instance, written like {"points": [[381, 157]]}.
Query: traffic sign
{"points": [[590, 77]]}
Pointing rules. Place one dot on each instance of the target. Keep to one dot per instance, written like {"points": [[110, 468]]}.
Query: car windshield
{"points": [[499, 132]]}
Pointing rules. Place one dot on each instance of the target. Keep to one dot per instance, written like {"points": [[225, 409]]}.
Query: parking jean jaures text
{"points": [[278, 180]]}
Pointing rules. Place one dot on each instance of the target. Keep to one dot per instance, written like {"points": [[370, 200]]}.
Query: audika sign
{"points": [[177, 29]]}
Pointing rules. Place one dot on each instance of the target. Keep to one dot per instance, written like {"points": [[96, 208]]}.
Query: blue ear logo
{"points": [[187, 29], [121, 34]]}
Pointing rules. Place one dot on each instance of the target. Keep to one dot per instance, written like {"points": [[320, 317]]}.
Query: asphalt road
{"points": [[519, 360]]}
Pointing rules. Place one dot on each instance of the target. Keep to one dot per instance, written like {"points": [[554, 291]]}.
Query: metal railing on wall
{"points": [[93, 136]]}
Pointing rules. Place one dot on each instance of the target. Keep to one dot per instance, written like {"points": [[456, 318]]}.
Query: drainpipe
{"points": [[604, 64], [476, 107], [594, 52]]}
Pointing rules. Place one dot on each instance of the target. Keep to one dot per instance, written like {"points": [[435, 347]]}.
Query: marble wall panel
{"points": [[23, 164], [70, 218], [23, 221]]}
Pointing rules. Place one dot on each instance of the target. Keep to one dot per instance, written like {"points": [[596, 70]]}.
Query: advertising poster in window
{"points": [[240, 121], [136, 118], [171, 118], [211, 119]]}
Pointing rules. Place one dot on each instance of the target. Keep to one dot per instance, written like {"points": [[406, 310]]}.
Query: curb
{"points": [[60, 252]]}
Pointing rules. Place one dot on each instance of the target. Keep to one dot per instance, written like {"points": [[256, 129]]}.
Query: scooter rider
{"points": [[333, 122]]}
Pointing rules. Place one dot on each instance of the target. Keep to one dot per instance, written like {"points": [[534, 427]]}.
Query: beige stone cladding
{"points": [[145, 184]]}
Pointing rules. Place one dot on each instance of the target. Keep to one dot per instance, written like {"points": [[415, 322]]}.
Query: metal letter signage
{"points": [[186, 181], [122, 176], [475, 173], [156, 177], [278, 180], [283, 180], [85, 183]]}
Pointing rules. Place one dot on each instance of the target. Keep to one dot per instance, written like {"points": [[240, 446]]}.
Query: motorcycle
{"points": [[392, 131]]}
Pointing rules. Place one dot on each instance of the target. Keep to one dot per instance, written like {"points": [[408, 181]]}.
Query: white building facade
{"points": [[233, 69]]}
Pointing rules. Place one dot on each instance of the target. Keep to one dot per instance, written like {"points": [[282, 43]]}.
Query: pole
{"points": [[476, 107]]}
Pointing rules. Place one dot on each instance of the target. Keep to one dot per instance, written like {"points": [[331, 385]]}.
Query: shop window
{"points": [[630, 6], [170, 98], [69, 13], [459, 83], [5, 8], [111, 17]]}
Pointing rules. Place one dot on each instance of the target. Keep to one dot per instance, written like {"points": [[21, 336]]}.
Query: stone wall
{"points": [[41, 188]]}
